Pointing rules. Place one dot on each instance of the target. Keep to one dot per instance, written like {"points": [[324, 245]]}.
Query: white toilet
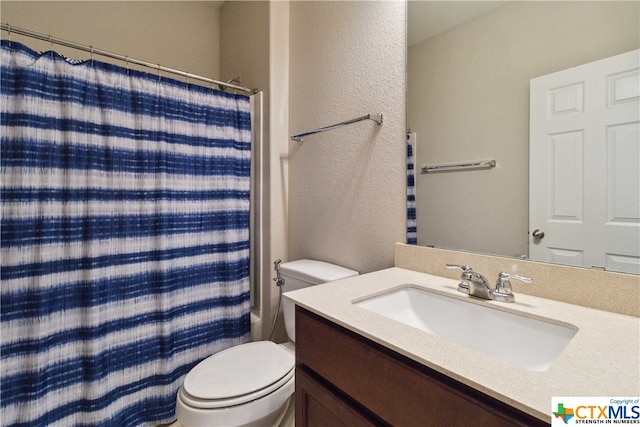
{"points": [[251, 384]]}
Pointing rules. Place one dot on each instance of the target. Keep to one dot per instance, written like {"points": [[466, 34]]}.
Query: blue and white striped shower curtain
{"points": [[412, 226], [125, 238]]}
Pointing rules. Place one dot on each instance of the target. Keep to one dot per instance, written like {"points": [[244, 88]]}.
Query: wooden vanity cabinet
{"points": [[344, 379]]}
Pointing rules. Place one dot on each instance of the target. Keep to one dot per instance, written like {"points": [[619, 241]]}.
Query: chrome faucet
{"points": [[475, 284]]}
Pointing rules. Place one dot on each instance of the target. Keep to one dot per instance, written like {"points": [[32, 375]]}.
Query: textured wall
{"points": [[181, 35], [347, 186]]}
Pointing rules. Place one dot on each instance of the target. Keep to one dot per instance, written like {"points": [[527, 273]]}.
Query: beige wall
{"points": [[278, 146], [244, 42], [347, 187], [255, 46], [469, 99], [181, 35]]}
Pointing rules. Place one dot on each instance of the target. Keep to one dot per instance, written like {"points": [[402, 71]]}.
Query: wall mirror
{"points": [[469, 69]]}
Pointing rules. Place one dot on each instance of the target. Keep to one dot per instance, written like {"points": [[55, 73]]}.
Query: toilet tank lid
{"points": [[315, 271]]}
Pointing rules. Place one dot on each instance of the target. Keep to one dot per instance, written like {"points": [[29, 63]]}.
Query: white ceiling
{"points": [[427, 18]]}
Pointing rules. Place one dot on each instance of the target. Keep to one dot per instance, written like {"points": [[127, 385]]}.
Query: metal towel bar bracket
{"points": [[472, 164], [375, 117]]}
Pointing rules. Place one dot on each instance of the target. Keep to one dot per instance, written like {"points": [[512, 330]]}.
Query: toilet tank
{"points": [[304, 273]]}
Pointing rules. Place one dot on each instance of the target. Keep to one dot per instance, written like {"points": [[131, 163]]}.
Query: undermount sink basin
{"points": [[516, 339]]}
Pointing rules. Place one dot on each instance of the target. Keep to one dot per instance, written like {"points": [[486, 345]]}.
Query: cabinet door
{"points": [[318, 406]]}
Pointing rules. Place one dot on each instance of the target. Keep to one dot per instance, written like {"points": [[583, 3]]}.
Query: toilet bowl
{"points": [[245, 385], [251, 384]]}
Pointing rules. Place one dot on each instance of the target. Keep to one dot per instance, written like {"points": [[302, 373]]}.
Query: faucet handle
{"points": [[464, 268], [503, 275], [503, 290], [467, 272]]}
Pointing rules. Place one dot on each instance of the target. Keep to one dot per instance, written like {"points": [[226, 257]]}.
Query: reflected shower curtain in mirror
{"points": [[125, 238], [412, 227]]}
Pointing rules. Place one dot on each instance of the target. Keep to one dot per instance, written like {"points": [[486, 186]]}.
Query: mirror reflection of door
{"points": [[584, 202]]}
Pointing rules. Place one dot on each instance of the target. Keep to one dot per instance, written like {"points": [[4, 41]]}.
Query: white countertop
{"points": [[602, 359]]}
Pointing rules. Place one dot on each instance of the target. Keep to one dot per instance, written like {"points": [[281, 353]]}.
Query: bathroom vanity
{"points": [[345, 379], [358, 367]]}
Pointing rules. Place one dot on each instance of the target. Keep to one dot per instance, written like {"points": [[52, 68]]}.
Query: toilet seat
{"points": [[238, 375]]}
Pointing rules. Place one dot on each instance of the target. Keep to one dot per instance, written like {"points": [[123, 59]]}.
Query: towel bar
{"points": [[473, 164], [375, 117]]}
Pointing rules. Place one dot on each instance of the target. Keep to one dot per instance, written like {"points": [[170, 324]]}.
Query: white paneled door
{"points": [[584, 176]]}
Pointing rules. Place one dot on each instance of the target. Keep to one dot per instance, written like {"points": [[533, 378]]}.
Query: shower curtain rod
{"points": [[54, 40]]}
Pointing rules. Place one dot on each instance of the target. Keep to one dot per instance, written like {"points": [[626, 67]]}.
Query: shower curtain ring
{"points": [[159, 71]]}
